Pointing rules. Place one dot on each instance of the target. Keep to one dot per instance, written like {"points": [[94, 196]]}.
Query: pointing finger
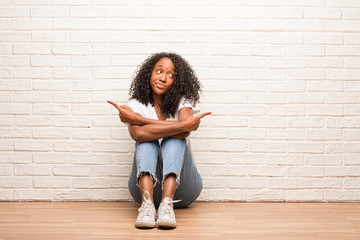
{"points": [[204, 114], [114, 104]]}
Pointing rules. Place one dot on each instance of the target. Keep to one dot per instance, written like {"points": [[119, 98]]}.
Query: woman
{"points": [[163, 97]]}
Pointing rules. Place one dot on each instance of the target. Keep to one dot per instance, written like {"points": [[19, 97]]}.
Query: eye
{"points": [[158, 71], [171, 75]]}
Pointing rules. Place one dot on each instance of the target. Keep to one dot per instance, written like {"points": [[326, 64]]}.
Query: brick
{"points": [[71, 97], [7, 195], [71, 24], [282, 183], [285, 134], [342, 171], [32, 121], [50, 85], [72, 195], [111, 195], [72, 146], [78, 121], [324, 183], [50, 109], [324, 38], [267, 146], [70, 170], [91, 183], [352, 159], [266, 171], [266, 98], [293, 86], [31, 24], [305, 147], [325, 110], [32, 97], [325, 86], [306, 172], [49, 12], [89, 12], [51, 158], [43, 195], [90, 133], [14, 61], [32, 73], [6, 170], [323, 13], [87, 37], [15, 158], [16, 182], [284, 13], [38, 48], [15, 133], [33, 145], [71, 73], [306, 98], [266, 195], [341, 195], [50, 133], [52, 182], [93, 159], [93, 109], [352, 183], [285, 38], [244, 183], [100, 85], [15, 108], [323, 159], [245, 133], [304, 195], [268, 122], [32, 170], [53, 61], [343, 122], [119, 146], [111, 171], [325, 135], [286, 110], [51, 37]]}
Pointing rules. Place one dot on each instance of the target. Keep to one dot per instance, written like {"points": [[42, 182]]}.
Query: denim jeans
{"points": [[159, 160]]}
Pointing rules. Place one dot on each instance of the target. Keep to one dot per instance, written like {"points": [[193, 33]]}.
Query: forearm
{"points": [[144, 121], [151, 132]]}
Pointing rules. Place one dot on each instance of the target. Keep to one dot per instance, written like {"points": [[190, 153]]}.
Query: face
{"points": [[162, 76]]}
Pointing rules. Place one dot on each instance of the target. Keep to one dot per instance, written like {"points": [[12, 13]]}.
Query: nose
{"points": [[163, 77]]}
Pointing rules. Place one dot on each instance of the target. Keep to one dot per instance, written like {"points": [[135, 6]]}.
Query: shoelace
{"points": [[146, 207], [167, 204]]}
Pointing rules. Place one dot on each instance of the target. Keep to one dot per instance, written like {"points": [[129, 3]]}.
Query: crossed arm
{"points": [[144, 129]]}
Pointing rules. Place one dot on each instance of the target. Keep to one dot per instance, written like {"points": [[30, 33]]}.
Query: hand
{"points": [[192, 122], [126, 114]]}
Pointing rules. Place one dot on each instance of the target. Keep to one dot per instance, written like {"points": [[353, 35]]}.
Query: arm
{"points": [[179, 129], [143, 129]]}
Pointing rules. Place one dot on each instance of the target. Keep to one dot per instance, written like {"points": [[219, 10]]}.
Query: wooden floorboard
{"points": [[202, 220]]}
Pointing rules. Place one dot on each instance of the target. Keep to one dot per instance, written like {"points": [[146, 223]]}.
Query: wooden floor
{"points": [[203, 220]]}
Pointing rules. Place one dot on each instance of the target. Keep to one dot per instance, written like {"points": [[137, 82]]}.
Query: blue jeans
{"points": [[171, 157]]}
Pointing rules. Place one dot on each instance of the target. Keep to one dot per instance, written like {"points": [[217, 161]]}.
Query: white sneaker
{"points": [[147, 213], [166, 215]]}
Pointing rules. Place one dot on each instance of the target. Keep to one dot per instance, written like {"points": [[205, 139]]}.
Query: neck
{"points": [[157, 100]]}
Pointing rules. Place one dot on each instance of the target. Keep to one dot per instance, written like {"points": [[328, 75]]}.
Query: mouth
{"points": [[160, 86]]}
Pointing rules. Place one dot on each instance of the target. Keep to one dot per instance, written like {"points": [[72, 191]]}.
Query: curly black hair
{"points": [[186, 84]]}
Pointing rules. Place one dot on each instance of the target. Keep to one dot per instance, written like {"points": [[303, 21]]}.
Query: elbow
{"points": [[138, 136]]}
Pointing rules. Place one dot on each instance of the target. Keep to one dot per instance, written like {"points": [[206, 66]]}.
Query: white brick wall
{"points": [[282, 78]]}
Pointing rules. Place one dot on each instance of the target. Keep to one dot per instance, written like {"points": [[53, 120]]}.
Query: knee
{"points": [[173, 143]]}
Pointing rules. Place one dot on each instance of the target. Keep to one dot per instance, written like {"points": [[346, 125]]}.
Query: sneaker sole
{"points": [[145, 224], [165, 224]]}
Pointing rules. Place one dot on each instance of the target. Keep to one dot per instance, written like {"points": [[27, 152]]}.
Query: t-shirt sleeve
{"points": [[186, 103], [136, 106]]}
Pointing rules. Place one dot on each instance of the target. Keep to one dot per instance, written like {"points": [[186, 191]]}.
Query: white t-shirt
{"points": [[148, 111]]}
